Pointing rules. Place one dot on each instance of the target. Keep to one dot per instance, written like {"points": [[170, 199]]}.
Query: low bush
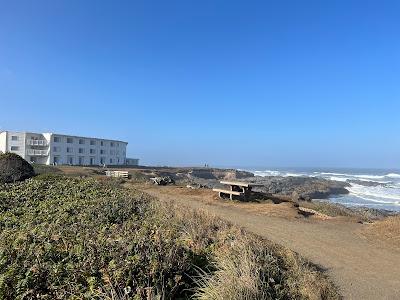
{"points": [[14, 168], [45, 169], [73, 238]]}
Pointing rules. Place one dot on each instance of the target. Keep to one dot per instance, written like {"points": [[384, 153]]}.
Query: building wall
{"points": [[77, 150], [16, 143], [48, 148], [3, 141]]}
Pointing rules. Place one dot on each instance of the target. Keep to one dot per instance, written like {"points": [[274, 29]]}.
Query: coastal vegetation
{"points": [[14, 168], [84, 238]]}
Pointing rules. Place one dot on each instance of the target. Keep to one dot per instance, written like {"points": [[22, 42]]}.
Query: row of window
{"points": [[70, 140], [82, 161], [91, 151]]}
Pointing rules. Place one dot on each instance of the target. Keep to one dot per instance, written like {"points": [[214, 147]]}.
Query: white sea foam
{"points": [[369, 176], [393, 175], [375, 193], [338, 178]]}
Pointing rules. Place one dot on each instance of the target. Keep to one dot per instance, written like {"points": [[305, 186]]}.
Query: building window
{"points": [[102, 160], [102, 151], [92, 143], [81, 150], [70, 150], [81, 141], [14, 138], [70, 140], [81, 160], [56, 160], [110, 160], [101, 143], [57, 139], [92, 151], [112, 144], [14, 148], [70, 160], [92, 160], [56, 149], [117, 159]]}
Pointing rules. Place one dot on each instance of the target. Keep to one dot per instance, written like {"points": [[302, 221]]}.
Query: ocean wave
{"points": [[369, 176], [338, 178], [277, 173], [378, 193], [267, 173], [334, 174], [393, 175]]}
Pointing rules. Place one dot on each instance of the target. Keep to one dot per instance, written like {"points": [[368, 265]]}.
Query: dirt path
{"points": [[360, 268]]}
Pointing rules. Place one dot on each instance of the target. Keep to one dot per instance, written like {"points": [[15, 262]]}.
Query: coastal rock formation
{"points": [[301, 188], [162, 180], [220, 174], [294, 188]]}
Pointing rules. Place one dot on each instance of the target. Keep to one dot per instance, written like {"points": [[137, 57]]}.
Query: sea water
{"points": [[371, 188]]}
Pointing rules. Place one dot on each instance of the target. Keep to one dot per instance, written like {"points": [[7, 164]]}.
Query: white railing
{"points": [[37, 152], [37, 142]]}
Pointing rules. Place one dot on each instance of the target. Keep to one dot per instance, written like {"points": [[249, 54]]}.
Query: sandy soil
{"points": [[362, 268]]}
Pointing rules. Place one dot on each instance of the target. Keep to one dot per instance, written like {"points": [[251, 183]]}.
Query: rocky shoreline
{"points": [[284, 188], [295, 188]]}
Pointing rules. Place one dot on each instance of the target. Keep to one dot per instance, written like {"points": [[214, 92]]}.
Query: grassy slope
{"points": [[81, 238]]}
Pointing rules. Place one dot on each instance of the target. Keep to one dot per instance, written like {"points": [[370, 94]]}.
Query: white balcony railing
{"points": [[37, 142], [37, 152]]}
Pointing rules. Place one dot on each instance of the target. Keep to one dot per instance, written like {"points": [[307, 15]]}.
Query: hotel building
{"points": [[60, 149]]}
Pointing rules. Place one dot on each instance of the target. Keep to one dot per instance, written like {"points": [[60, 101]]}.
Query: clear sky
{"points": [[229, 83]]}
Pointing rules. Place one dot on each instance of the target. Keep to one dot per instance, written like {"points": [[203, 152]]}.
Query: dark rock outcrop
{"points": [[301, 188], [165, 180]]}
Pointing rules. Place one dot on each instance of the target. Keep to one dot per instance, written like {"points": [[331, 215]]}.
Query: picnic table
{"points": [[237, 188]]}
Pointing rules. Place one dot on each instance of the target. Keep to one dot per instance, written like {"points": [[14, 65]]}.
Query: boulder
{"points": [[14, 168], [165, 180]]}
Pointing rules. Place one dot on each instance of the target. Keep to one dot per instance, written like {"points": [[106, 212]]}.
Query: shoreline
{"points": [[314, 189]]}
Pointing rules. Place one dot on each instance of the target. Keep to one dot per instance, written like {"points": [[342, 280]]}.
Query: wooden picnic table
{"points": [[237, 188]]}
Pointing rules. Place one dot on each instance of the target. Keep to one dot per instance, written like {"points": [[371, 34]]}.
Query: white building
{"points": [[59, 149]]}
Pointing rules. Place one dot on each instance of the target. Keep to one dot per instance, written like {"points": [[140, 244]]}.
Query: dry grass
{"points": [[246, 266], [329, 209], [252, 268], [386, 230]]}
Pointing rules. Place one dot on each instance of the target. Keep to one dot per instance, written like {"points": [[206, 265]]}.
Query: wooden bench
{"points": [[123, 174], [237, 188]]}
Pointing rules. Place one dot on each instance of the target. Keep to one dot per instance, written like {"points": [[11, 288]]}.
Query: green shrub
{"points": [[14, 168]]}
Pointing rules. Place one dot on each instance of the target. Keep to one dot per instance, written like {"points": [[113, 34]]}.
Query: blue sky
{"points": [[229, 83]]}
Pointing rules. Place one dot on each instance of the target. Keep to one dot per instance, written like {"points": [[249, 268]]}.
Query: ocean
{"points": [[370, 188]]}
